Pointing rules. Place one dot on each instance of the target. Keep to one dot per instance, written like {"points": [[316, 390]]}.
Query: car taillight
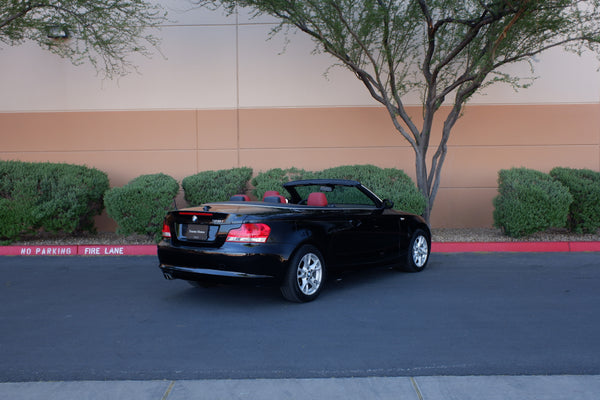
{"points": [[249, 233], [166, 231]]}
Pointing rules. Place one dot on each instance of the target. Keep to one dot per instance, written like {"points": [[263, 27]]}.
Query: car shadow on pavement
{"points": [[349, 283], [245, 296]]}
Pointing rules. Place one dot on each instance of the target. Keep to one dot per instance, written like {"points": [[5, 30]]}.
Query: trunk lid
{"points": [[209, 225]]}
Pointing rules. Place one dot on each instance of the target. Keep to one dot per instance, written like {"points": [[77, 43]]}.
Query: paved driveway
{"points": [[97, 318]]}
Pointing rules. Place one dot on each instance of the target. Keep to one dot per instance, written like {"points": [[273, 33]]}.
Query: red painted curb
{"points": [[584, 246], [436, 247], [128, 250], [80, 250], [533, 247], [38, 250]]}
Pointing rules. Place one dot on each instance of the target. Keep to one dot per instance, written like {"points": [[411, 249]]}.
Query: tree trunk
{"points": [[421, 170]]}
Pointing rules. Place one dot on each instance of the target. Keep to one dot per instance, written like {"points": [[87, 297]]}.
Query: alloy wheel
{"points": [[309, 274], [420, 251]]}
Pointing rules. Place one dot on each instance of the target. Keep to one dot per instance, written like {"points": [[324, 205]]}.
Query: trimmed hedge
{"points": [[210, 186], [274, 178], [141, 205], [584, 186], [387, 183], [48, 196], [529, 201]]}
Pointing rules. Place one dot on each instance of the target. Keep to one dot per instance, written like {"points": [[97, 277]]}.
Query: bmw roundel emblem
{"points": [[194, 218]]}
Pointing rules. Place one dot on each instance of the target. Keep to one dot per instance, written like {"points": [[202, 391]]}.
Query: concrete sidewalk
{"points": [[567, 387]]}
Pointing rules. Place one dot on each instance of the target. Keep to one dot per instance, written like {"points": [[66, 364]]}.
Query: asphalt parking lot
{"points": [[116, 318]]}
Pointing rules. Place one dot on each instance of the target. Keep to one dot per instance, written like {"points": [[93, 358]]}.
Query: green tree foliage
{"points": [[446, 50], [105, 33]]}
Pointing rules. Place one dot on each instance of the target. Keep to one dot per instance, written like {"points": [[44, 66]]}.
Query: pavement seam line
{"points": [[168, 391], [416, 387]]}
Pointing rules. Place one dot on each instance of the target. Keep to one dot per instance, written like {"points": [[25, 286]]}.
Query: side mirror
{"points": [[387, 204]]}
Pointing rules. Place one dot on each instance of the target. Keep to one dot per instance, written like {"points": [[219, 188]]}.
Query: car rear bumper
{"points": [[231, 263]]}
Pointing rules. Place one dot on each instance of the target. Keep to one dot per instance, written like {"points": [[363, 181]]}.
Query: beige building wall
{"points": [[222, 96]]}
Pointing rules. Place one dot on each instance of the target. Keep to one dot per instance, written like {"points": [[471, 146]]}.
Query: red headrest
{"points": [[316, 199], [270, 193]]}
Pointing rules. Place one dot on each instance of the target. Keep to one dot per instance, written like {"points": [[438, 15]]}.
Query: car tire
{"points": [[418, 252], [305, 277]]}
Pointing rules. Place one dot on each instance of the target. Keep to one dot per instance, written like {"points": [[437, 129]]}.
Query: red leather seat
{"points": [[317, 199]]}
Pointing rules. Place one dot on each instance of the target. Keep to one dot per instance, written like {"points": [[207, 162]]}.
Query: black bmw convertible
{"points": [[318, 229]]}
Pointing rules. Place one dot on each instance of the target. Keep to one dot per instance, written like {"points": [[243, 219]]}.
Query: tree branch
{"points": [[14, 17], [507, 28]]}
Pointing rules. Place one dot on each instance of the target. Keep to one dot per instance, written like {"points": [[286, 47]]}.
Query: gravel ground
{"points": [[439, 235]]}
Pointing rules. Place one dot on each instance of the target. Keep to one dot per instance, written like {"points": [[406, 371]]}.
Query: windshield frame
{"points": [[295, 197]]}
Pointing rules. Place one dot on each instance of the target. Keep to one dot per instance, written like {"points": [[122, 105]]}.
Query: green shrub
{"points": [[210, 186], [529, 201], [17, 218], [273, 179], [387, 183], [141, 205], [49, 197], [584, 186]]}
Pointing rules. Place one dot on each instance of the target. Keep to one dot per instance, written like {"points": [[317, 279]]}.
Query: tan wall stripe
{"points": [[126, 144]]}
